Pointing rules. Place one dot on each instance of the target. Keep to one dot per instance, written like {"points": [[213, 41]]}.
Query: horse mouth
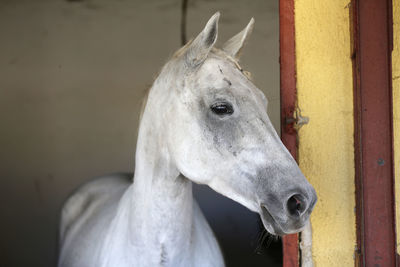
{"points": [[270, 224], [274, 227]]}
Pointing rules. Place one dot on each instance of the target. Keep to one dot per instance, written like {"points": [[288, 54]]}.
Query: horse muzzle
{"points": [[288, 216]]}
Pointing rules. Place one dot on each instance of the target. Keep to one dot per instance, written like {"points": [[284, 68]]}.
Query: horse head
{"points": [[219, 133]]}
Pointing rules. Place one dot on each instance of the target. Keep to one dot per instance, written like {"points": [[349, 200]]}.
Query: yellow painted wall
{"points": [[326, 152], [396, 108]]}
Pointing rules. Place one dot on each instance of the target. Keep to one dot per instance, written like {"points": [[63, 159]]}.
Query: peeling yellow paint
{"points": [[396, 108], [326, 150]]}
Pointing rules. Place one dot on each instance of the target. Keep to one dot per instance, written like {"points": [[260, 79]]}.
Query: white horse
{"points": [[204, 122]]}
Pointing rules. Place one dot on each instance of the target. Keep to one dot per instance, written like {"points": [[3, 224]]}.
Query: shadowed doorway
{"points": [[74, 74]]}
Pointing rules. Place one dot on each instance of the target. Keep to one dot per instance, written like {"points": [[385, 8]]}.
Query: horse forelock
{"points": [[214, 51]]}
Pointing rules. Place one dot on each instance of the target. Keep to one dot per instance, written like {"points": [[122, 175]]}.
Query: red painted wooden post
{"points": [[372, 36], [288, 105]]}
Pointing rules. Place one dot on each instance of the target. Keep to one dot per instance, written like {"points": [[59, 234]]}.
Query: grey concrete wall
{"points": [[72, 76]]}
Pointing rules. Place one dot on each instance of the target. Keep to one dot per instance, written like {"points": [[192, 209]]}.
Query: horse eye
{"points": [[222, 108]]}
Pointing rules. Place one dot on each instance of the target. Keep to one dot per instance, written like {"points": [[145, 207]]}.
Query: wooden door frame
{"points": [[372, 37], [287, 50], [372, 31]]}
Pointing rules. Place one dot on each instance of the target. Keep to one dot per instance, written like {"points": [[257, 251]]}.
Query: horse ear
{"points": [[202, 44], [234, 45]]}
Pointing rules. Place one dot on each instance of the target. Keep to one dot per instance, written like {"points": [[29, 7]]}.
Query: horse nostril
{"points": [[296, 205]]}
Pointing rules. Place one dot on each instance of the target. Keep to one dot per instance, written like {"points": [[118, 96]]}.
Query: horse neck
{"points": [[161, 197], [159, 204]]}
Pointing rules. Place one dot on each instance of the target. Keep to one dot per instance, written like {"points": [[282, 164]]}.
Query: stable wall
{"points": [[326, 147]]}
